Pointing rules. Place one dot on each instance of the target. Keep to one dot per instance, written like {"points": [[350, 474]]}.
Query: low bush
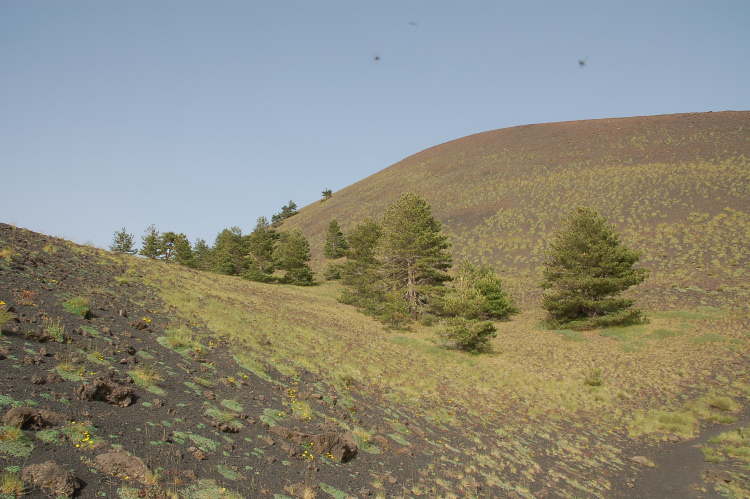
{"points": [[469, 335], [79, 306]]}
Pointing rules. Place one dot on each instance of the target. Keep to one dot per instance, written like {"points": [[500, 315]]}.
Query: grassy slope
{"points": [[676, 186]]}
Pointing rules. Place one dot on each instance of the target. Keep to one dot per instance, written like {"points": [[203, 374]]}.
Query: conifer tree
{"points": [[286, 212], [260, 247], [150, 247], [586, 270], [202, 255], [183, 251], [292, 255], [167, 245], [122, 243], [413, 253], [478, 294], [358, 272], [229, 252], [336, 244]]}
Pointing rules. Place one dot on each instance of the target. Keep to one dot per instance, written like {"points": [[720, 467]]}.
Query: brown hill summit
{"points": [[676, 186]]}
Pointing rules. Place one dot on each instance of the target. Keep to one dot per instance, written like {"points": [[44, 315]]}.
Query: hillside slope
{"points": [[676, 186]]}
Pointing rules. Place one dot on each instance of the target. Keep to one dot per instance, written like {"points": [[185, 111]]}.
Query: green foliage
{"points": [[593, 376], [359, 271], [292, 256], [587, 268], [55, 330], [327, 194], [470, 335], [412, 252], [286, 212], [175, 248], [336, 244], [477, 293], [260, 248], [78, 305], [332, 272], [5, 315], [229, 252], [203, 256], [122, 243], [150, 247]]}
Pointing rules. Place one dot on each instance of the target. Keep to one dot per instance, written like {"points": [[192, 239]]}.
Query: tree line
{"points": [[256, 256], [397, 270]]}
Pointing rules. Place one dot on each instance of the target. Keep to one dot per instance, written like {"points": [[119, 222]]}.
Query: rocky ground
{"points": [[107, 407]]}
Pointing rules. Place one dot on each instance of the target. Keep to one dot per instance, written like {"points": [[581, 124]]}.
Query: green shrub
{"points": [[477, 293], [333, 272], [593, 376], [12, 485], [724, 404], [469, 335], [55, 330], [5, 315], [78, 306]]}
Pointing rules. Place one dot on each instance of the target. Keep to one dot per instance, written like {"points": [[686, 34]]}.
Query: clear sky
{"points": [[202, 115]]}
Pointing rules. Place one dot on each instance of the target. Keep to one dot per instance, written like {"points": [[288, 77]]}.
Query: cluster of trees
{"points": [[396, 269], [256, 256], [286, 211]]}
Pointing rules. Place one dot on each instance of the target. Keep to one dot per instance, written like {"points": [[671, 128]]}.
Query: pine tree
{"points": [[122, 243], [229, 252], [286, 212], [203, 258], [413, 253], [260, 246], [478, 294], [183, 251], [327, 194], [292, 255], [150, 247], [587, 268], [358, 272], [167, 245], [336, 244]]}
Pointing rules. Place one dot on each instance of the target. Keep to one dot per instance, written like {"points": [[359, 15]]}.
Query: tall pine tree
{"points": [[413, 253], [586, 270], [336, 244], [260, 247], [358, 272], [150, 247], [292, 256]]}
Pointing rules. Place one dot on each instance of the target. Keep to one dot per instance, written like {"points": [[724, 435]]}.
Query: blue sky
{"points": [[198, 116]]}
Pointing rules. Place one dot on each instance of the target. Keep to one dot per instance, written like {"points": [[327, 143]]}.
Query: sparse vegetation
{"points": [[55, 330], [78, 305], [5, 316], [12, 485]]}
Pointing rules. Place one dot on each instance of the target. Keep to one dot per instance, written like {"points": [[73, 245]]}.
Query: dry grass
{"points": [[12, 485], [538, 372]]}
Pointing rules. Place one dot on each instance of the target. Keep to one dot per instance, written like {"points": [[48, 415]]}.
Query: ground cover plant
{"points": [[254, 376]]}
